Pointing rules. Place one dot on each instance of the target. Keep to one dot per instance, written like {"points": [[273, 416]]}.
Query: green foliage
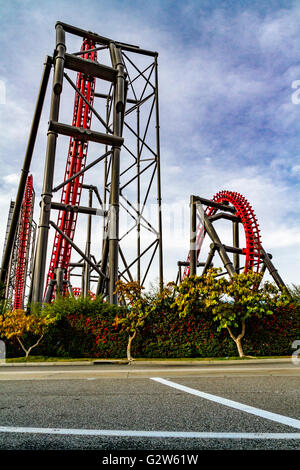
{"points": [[17, 324], [136, 311], [229, 302], [4, 306], [132, 317], [294, 291], [86, 328]]}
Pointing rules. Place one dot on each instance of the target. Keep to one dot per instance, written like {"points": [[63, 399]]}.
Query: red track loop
{"points": [[248, 219]]}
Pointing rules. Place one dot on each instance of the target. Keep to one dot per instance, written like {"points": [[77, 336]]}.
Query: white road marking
{"points": [[153, 434], [295, 423]]}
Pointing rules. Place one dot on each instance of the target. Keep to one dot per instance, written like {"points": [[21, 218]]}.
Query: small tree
{"points": [[230, 302], [17, 323], [133, 316]]}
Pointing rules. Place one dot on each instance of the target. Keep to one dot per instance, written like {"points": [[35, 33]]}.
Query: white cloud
{"points": [[13, 178]]}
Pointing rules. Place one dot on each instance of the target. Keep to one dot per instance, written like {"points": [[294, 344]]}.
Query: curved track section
{"points": [[244, 211]]}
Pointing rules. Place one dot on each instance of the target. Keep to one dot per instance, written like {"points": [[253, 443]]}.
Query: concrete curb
{"points": [[151, 363]]}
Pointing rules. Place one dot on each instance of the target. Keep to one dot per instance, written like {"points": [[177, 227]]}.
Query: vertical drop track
{"points": [[76, 161]]}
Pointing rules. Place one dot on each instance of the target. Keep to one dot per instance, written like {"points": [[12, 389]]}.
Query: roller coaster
{"points": [[233, 207], [130, 159]]}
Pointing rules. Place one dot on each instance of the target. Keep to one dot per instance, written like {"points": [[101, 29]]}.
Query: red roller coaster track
{"points": [[76, 161], [244, 210], [23, 245]]}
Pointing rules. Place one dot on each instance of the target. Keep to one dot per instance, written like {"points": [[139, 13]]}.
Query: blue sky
{"points": [[226, 70]]}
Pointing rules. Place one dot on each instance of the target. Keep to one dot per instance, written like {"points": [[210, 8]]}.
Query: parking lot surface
{"points": [[153, 406]]}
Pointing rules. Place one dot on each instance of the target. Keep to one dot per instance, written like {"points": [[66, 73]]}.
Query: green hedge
{"points": [[85, 329]]}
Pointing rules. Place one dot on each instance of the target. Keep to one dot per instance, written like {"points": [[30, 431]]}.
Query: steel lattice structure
{"points": [[232, 206], [130, 161]]}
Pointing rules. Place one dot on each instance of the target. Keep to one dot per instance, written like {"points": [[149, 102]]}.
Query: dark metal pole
{"points": [[119, 106], [86, 286], [159, 198], [138, 196], [193, 230], [236, 242], [210, 256], [101, 284], [43, 229], [26, 167], [59, 277], [49, 291], [222, 252], [272, 270]]}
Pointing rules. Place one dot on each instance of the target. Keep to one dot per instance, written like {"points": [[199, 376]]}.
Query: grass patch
{"points": [[46, 359]]}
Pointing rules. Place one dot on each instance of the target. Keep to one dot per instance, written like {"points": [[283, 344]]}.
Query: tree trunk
{"points": [[130, 339], [27, 351], [238, 343], [238, 339], [23, 347]]}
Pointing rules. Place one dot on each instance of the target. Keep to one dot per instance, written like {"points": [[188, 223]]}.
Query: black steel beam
{"points": [[94, 49], [85, 134], [236, 244], [159, 192], [209, 259], [76, 248], [272, 270], [104, 96], [87, 167], [241, 251], [83, 33], [222, 252], [104, 40], [193, 236], [223, 215], [217, 205], [186, 263], [118, 120], [89, 67], [80, 209], [25, 168]]}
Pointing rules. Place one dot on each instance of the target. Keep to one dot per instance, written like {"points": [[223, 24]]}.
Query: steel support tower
{"points": [[119, 89]]}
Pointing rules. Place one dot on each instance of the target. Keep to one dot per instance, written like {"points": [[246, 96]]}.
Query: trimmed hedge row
{"points": [[164, 335]]}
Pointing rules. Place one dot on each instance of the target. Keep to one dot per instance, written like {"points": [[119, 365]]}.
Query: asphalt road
{"points": [[116, 406]]}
